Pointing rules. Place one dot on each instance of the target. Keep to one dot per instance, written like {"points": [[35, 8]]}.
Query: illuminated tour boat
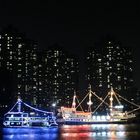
{"points": [[33, 117], [115, 115]]}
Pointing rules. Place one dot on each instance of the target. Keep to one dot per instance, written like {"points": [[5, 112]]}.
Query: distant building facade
{"points": [[109, 65], [18, 62], [60, 76], [40, 78], [44, 78]]}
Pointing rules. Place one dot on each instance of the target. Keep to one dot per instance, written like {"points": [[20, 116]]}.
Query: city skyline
{"points": [[69, 69], [76, 25], [39, 77], [100, 44], [48, 76]]}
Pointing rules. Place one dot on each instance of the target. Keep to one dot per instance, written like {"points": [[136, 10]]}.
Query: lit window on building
{"points": [[19, 86], [119, 78], [19, 75], [19, 46], [34, 58], [40, 83], [57, 60], [118, 65], [125, 78], [100, 70], [117, 47], [118, 69], [130, 69], [100, 85], [19, 53], [11, 52], [19, 64], [107, 63], [8, 63], [119, 87], [108, 80], [46, 59], [34, 79], [57, 52]]}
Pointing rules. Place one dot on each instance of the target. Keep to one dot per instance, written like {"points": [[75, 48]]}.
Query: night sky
{"points": [[76, 25]]}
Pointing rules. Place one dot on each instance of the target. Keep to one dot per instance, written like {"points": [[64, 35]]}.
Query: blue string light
{"points": [[20, 101], [11, 108], [36, 109]]}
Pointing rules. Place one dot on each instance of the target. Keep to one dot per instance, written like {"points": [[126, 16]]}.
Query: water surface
{"points": [[75, 132]]}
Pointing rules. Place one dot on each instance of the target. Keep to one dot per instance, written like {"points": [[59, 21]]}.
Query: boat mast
{"points": [[74, 100], [111, 100], [89, 102], [19, 104]]}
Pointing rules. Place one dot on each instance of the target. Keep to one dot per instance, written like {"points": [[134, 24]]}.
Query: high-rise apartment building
{"points": [[60, 76], [109, 65], [48, 77], [41, 78], [18, 64]]}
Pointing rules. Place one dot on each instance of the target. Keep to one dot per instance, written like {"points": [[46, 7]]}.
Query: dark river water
{"points": [[74, 132]]}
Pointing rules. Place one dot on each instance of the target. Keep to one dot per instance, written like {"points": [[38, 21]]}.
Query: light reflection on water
{"points": [[97, 132], [30, 133], [75, 132]]}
